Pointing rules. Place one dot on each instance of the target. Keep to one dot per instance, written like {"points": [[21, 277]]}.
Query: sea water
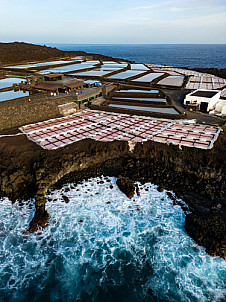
{"points": [[178, 55], [102, 246]]}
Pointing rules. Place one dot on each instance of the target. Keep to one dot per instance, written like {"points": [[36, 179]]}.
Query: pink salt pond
{"points": [[106, 127]]}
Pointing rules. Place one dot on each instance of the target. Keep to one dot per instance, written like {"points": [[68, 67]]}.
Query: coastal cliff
{"points": [[197, 176]]}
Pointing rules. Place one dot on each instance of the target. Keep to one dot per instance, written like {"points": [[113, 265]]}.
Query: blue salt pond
{"points": [[21, 66], [38, 64], [71, 67], [139, 91], [126, 74], [114, 65], [91, 62], [149, 77], [139, 67], [51, 63], [93, 73], [159, 100], [11, 95], [102, 246], [109, 62], [8, 82], [149, 109]]}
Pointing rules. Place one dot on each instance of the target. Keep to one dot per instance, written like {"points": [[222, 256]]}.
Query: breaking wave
{"points": [[102, 246]]}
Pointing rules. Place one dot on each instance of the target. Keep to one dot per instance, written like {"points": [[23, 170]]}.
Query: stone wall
{"points": [[88, 94], [68, 108], [107, 88], [29, 109], [14, 114]]}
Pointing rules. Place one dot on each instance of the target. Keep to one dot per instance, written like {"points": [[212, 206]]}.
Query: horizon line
{"points": [[63, 43]]}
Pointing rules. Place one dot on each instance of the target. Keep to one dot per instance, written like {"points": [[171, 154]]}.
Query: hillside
{"points": [[20, 52]]}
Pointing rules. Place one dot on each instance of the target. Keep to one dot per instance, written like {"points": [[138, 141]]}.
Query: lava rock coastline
{"points": [[197, 176]]}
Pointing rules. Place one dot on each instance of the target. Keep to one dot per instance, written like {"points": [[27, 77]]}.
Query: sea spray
{"points": [[102, 246]]}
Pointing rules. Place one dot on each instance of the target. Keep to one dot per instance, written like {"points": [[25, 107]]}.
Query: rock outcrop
{"points": [[197, 176], [126, 185]]}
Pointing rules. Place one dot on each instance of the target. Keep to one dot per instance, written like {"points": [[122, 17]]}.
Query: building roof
{"points": [[74, 84], [53, 75], [48, 86], [204, 93]]}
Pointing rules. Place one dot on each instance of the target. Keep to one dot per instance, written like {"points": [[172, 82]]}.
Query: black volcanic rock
{"points": [[209, 229], [39, 221], [126, 185]]}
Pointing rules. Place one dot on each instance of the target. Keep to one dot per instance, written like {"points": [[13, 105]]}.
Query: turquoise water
{"points": [[102, 246]]}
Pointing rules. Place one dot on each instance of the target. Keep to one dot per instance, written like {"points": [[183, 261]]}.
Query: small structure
{"points": [[220, 107], [53, 77], [59, 86], [74, 85], [52, 87], [223, 110], [86, 98], [203, 100], [92, 83]]}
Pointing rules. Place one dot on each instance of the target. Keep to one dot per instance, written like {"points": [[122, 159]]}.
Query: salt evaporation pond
{"points": [[71, 67], [158, 100], [7, 82], [138, 91], [11, 95], [149, 109], [126, 74], [102, 246]]}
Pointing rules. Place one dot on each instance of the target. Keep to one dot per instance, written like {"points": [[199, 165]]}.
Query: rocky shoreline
{"points": [[197, 176], [194, 175]]}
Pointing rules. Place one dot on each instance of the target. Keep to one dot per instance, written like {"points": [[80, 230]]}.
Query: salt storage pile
{"points": [[102, 246]]}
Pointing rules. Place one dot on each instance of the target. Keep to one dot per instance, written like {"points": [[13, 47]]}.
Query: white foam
{"points": [[93, 241]]}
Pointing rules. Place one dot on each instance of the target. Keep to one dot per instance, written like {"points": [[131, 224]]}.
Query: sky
{"points": [[113, 22]]}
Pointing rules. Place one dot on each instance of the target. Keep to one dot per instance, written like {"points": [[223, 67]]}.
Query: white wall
{"points": [[197, 99]]}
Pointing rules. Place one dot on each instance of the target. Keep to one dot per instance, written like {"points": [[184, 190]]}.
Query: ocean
{"points": [[104, 247], [177, 55]]}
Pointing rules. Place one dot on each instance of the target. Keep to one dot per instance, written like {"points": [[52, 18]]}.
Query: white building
{"points": [[203, 100], [220, 107]]}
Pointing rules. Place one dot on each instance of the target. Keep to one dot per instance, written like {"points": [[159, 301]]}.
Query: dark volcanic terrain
{"points": [[19, 52], [197, 176]]}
